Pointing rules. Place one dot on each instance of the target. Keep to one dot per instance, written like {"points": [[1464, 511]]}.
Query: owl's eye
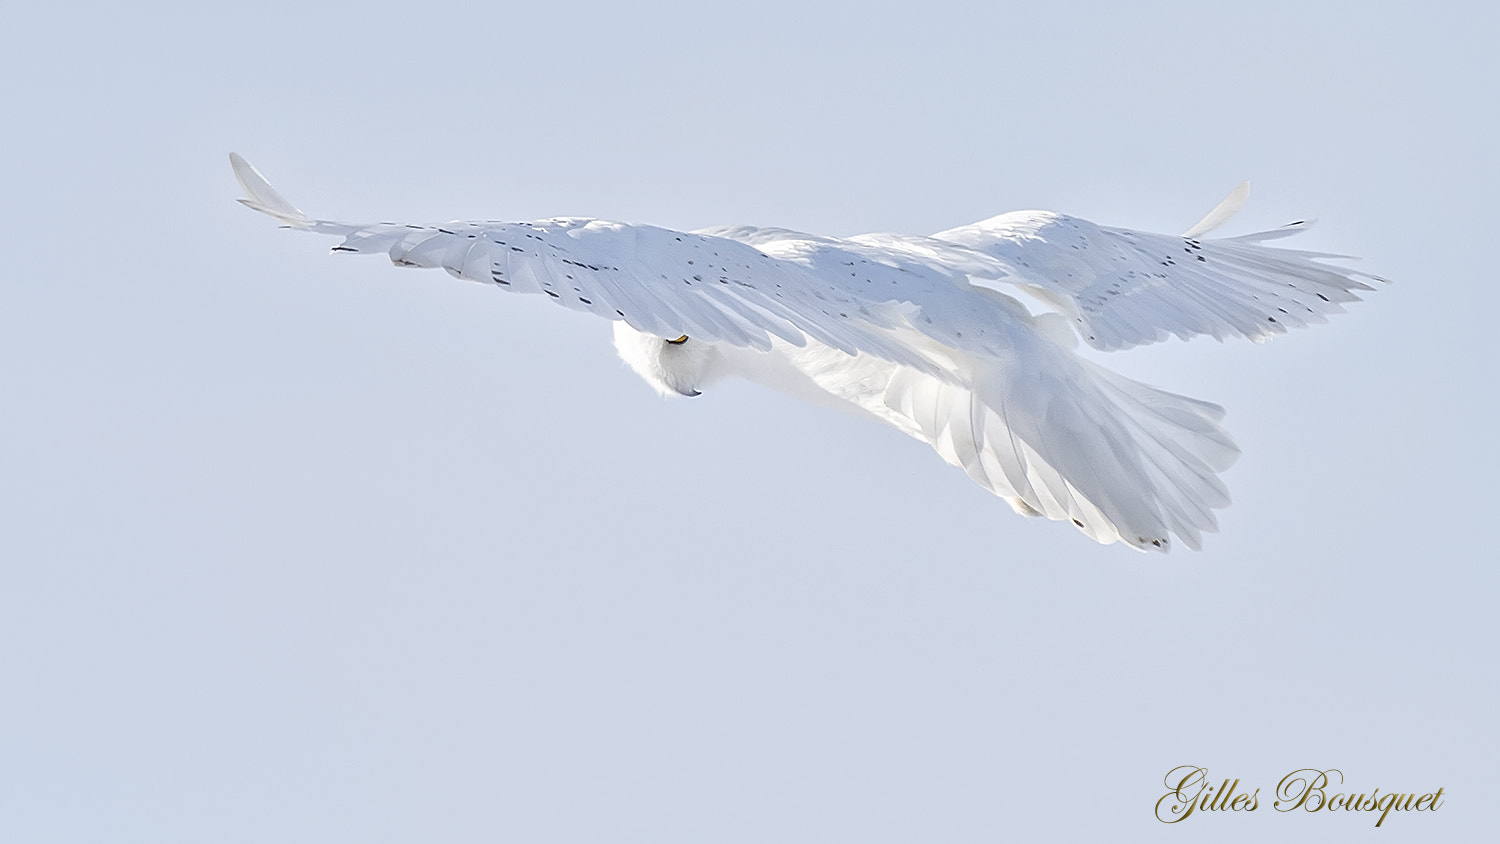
{"points": [[679, 341]]}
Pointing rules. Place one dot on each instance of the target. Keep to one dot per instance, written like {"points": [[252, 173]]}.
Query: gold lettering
{"points": [[1305, 786], [1190, 782], [1225, 792], [1385, 807]]}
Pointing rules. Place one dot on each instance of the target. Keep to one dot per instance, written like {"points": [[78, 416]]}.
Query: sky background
{"points": [[305, 549]]}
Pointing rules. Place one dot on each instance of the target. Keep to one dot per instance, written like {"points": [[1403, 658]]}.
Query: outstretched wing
{"points": [[736, 286], [1122, 288]]}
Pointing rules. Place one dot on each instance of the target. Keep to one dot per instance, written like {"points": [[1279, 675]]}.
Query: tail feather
{"points": [[1060, 437]]}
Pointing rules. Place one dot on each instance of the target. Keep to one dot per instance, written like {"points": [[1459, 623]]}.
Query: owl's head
{"points": [[675, 367]]}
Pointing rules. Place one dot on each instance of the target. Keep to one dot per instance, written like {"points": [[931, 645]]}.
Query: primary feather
{"points": [[915, 331]]}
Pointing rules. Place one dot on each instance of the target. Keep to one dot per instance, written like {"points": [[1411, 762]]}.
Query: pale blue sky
{"points": [[299, 549]]}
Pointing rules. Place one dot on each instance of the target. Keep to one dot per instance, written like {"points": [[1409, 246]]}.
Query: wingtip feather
{"points": [[263, 197], [1222, 212]]}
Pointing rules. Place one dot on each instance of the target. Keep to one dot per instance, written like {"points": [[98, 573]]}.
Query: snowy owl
{"points": [[916, 332]]}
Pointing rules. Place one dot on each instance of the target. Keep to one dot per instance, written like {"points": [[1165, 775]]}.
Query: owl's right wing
{"points": [[1122, 288]]}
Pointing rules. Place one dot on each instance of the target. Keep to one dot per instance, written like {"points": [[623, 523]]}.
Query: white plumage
{"points": [[914, 331]]}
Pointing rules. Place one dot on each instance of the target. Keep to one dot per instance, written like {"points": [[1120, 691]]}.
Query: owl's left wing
{"points": [[738, 286]]}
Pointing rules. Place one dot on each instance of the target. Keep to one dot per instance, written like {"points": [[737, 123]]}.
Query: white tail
{"points": [[1057, 436]]}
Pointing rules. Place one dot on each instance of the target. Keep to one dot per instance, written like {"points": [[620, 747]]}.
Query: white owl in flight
{"points": [[915, 332]]}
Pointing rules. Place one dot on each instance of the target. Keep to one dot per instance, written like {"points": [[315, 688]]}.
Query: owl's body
{"points": [[915, 331]]}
